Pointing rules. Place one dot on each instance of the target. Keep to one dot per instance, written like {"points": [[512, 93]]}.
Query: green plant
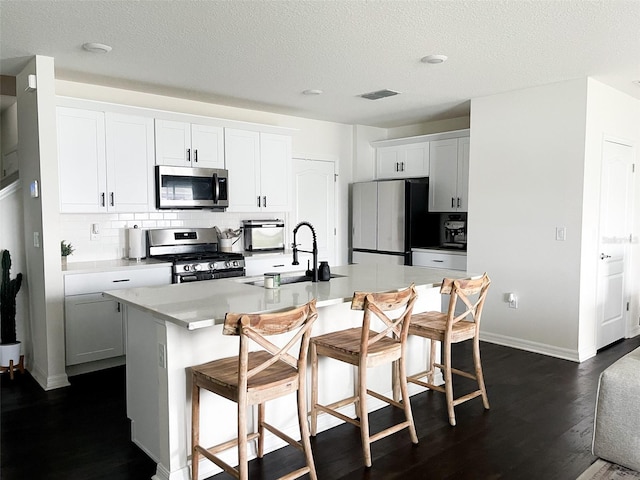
{"points": [[66, 249], [8, 291]]}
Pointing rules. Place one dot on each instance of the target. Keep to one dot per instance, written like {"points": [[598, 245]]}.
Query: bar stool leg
{"points": [[243, 463], [364, 416], [432, 359], [448, 381], [314, 389], [195, 429], [261, 417], [479, 375], [304, 430], [406, 401]]}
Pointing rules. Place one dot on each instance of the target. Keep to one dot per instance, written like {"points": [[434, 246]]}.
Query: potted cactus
{"points": [[10, 357]]}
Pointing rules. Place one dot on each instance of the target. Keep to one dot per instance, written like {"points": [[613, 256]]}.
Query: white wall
{"points": [[38, 161], [535, 165], [526, 178]]}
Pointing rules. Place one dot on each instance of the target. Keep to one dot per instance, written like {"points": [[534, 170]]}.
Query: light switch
{"points": [[36, 239], [561, 234]]}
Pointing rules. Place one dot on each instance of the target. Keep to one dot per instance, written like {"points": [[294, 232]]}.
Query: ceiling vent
{"points": [[379, 94]]}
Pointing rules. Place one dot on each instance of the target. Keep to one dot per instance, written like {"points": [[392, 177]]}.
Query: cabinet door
{"points": [[463, 174], [207, 145], [93, 328], [275, 172], [242, 154], [129, 163], [415, 160], [388, 162], [364, 215], [443, 175], [173, 143], [81, 158]]}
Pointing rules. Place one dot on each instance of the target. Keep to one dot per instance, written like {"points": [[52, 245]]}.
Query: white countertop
{"points": [[111, 265], [204, 304]]}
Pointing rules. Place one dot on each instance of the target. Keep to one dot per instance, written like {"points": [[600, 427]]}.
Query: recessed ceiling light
{"points": [[433, 59], [96, 47], [312, 91]]}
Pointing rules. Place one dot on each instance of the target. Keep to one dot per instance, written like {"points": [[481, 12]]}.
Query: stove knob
{"points": [[212, 266], [197, 267], [235, 263], [186, 268], [227, 264]]}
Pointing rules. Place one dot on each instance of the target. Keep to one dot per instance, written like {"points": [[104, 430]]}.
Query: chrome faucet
{"points": [[314, 271]]}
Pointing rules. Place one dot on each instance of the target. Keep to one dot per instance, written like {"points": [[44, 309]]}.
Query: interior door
{"points": [[314, 193], [616, 194]]}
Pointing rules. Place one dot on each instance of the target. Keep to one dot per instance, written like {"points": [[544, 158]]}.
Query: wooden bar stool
{"points": [[253, 378], [365, 348], [451, 327]]}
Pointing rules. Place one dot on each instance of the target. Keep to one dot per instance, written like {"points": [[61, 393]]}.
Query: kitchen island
{"points": [[170, 328]]}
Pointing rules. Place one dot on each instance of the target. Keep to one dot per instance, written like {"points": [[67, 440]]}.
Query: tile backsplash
{"points": [[111, 241]]}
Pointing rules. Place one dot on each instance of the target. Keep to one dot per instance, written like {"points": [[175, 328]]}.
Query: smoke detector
{"points": [[434, 59], [379, 94], [96, 47]]}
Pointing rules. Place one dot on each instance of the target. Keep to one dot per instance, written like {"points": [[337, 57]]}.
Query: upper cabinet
{"points": [[259, 167], [403, 161], [185, 144], [105, 161], [449, 175]]}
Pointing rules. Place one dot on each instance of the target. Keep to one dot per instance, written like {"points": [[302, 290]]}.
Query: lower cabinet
{"points": [[93, 328], [439, 259], [94, 323], [260, 263]]}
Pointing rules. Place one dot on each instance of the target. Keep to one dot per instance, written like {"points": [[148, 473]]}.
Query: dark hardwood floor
{"points": [[539, 427]]}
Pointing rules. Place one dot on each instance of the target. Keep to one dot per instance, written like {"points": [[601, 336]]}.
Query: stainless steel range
{"points": [[194, 253]]}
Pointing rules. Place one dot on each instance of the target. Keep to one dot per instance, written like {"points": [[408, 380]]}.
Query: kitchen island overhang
{"points": [[171, 328]]}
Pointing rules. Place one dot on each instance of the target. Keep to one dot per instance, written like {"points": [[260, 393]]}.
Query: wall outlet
{"points": [[95, 231], [561, 234]]}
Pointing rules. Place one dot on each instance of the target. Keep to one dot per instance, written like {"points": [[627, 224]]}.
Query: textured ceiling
{"points": [[263, 54]]}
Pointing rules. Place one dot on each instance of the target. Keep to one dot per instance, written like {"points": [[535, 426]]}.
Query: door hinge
{"points": [[633, 168], [627, 306], [335, 231], [335, 177]]}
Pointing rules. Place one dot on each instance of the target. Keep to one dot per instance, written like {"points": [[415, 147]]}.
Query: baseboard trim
{"points": [[535, 347], [49, 382]]}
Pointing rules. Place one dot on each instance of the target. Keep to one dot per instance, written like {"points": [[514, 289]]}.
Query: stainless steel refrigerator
{"points": [[388, 217]]}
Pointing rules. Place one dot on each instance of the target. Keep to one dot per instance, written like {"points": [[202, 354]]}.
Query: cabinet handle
{"points": [[264, 201], [112, 199], [118, 308], [188, 154], [402, 165], [102, 199], [195, 155], [258, 200], [437, 261], [397, 167], [453, 202], [458, 202]]}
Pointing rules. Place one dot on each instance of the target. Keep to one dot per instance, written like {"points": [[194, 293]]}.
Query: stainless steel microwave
{"points": [[185, 187]]}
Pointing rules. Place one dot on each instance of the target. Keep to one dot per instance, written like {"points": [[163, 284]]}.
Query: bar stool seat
{"points": [[253, 378], [453, 327], [366, 348]]}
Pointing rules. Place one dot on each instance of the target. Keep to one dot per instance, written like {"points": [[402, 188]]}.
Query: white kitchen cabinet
{"points": [[439, 259], [449, 175], [403, 161], [94, 327], [183, 144], [105, 161], [259, 167], [259, 264]]}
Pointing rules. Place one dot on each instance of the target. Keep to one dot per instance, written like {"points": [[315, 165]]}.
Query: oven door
{"points": [[210, 275], [186, 188]]}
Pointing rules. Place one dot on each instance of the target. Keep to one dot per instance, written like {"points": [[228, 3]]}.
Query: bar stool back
{"points": [[452, 327], [365, 348], [254, 377]]}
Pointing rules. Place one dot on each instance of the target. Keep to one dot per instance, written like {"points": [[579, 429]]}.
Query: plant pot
{"points": [[8, 352], [64, 261]]}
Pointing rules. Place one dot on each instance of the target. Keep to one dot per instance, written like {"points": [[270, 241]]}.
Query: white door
{"points": [[275, 165], [173, 139], [314, 201], [443, 175], [616, 194], [242, 155], [207, 145]]}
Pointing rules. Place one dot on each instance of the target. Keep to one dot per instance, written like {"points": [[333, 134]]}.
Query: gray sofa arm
{"points": [[616, 435]]}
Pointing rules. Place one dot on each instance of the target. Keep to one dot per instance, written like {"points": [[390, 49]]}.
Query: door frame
{"points": [[627, 266]]}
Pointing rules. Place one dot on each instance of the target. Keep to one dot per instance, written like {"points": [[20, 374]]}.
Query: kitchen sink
{"points": [[286, 279]]}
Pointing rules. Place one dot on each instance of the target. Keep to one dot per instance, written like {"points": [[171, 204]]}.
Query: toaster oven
{"points": [[263, 235]]}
